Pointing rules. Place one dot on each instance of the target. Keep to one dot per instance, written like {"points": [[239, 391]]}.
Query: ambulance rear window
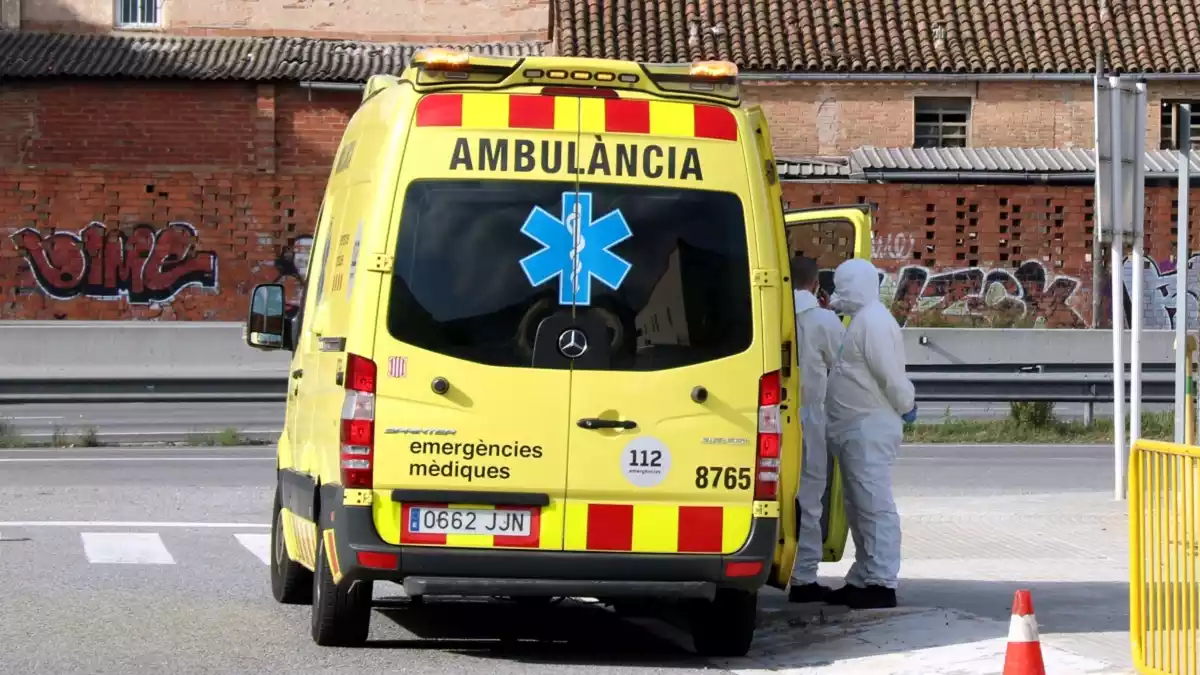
{"points": [[481, 264]]}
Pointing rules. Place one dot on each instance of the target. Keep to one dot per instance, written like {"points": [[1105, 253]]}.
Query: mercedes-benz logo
{"points": [[572, 343]]}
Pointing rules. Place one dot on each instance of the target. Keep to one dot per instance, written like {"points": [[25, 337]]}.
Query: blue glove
{"points": [[910, 416]]}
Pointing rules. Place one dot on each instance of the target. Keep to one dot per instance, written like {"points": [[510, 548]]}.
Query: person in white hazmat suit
{"points": [[818, 335], [869, 398]]}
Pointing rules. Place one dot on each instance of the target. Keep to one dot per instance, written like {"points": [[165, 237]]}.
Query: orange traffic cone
{"points": [[1024, 654]]}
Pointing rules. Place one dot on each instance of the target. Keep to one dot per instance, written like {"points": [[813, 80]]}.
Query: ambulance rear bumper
{"points": [[468, 586], [431, 570]]}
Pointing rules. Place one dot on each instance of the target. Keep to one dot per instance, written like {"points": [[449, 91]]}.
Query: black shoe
{"points": [[843, 596], [873, 597], [813, 592]]}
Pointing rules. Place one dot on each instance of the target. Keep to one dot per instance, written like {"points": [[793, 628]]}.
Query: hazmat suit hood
{"points": [[856, 285]]}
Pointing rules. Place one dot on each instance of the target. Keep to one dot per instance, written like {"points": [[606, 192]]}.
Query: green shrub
{"points": [[1036, 414]]}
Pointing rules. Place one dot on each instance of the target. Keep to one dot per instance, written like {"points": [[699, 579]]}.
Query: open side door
{"points": [[830, 235], [775, 247]]}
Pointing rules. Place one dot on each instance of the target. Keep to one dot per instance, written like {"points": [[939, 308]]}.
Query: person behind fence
{"points": [[869, 398], [818, 334]]}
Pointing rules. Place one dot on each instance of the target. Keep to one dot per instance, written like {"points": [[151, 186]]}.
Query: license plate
{"points": [[434, 520]]}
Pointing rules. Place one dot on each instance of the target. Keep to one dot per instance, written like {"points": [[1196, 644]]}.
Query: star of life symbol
{"points": [[575, 248]]}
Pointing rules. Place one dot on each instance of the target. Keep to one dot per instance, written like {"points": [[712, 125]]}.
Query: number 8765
{"points": [[728, 477]]}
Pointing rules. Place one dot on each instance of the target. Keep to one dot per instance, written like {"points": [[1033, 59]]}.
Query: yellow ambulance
{"points": [[545, 348]]}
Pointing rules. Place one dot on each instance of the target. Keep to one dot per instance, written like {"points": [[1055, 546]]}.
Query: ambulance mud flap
{"points": [[466, 571]]}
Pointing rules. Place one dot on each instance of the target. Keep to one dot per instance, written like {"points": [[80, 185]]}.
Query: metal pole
{"points": [[1098, 195], [1137, 263], [1118, 305], [1183, 123]]}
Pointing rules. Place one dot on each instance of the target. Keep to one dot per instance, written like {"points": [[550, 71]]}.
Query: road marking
{"points": [[127, 523], [29, 460], [129, 548], [258, 544]]}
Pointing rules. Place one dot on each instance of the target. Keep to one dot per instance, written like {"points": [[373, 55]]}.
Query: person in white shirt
{"points": [[869, 398], [818, 336]]}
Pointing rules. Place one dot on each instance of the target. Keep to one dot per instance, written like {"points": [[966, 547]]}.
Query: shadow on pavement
{"points": [[949, 620], [1060, 606], [954, 621], [566, 633]]}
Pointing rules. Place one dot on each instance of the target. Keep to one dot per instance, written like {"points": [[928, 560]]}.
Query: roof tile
{"points": [[966, 36], [33, 54]]}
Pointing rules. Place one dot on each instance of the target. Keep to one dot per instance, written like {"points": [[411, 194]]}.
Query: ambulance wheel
{"points": [[291, 582], [341, 614], [725, 625]]}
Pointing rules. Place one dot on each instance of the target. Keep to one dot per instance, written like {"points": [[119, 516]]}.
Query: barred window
{"points": [[134, 13], [941, 122], [1169, 127]]}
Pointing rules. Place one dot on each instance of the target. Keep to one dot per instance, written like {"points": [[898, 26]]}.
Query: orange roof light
{"points": [[713, 70], [437, 58]]}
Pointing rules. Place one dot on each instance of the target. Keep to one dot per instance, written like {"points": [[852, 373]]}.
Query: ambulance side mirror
{"points": [[267, 326]]}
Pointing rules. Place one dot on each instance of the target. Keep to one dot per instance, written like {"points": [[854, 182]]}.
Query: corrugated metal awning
{"points": [[873, 163]]}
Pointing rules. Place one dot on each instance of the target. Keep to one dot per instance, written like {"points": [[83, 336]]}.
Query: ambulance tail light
{"points": [[770, 437], [358, 423]]}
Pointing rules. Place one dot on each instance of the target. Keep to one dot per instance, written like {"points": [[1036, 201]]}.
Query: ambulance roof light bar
{"points": [[715, 78], [440, 58], [713, 70]]}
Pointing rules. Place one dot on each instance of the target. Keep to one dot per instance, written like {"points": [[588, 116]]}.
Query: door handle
{"points": [[597, 423], [297, 373]]}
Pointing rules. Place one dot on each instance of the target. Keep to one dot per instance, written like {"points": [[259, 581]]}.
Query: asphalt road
{"points": [[175, 422], [171, 576]]}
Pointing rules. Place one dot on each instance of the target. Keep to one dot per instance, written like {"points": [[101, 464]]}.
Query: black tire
{"points": [[291, 582], [341, 614], [725, 626]]}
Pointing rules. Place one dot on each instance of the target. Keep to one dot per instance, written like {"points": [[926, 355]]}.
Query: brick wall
{"points": [[835, 118], [383, 20], [170, 200], [157, 200], [1021, 251]]}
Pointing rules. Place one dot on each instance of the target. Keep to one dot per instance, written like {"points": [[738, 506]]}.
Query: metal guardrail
{"points": [[940, 387], [185, 362], [1164, 552], [268, 389], [1061, 387]]}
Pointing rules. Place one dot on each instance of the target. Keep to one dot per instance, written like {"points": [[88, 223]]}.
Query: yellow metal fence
{"points": [[1164, 547]]}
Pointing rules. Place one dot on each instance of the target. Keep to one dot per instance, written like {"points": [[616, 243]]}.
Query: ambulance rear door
{"points": [[473, 393], [664, 401]]}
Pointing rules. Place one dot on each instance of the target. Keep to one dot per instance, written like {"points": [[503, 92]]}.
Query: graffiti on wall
{"points": [[893, 246], [291, 266], [1159, 299], [1030, 292], [144, 266]]}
